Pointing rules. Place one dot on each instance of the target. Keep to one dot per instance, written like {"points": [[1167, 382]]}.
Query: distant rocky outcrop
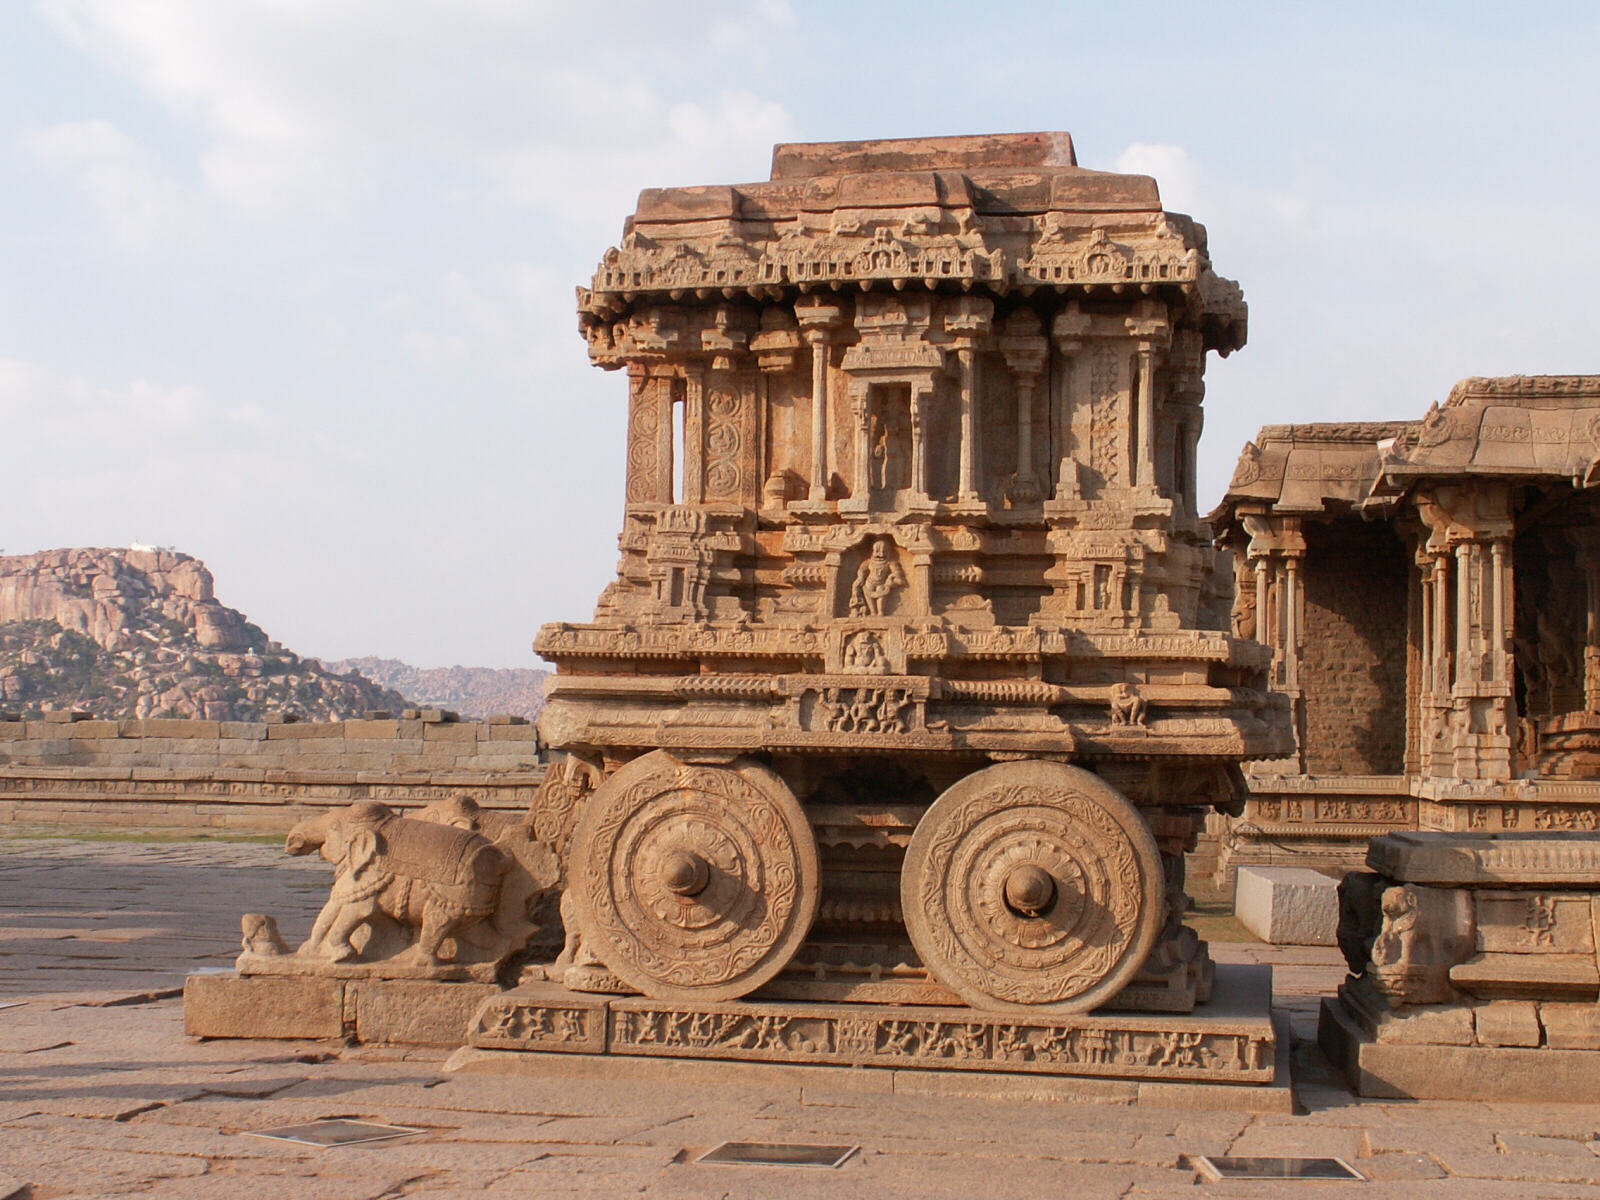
{"points": [[140, 633], [470, 691]]}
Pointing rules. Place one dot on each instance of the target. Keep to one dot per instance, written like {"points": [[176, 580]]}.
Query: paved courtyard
{"points": [[102, 1095]]}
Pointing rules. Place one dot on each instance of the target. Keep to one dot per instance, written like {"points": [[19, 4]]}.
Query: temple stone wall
{"points": [[1353, 657], [263, 777]]}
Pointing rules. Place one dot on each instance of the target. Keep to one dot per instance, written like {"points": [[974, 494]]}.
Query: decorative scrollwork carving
{"points": [[694, 882], [1033, 885]]}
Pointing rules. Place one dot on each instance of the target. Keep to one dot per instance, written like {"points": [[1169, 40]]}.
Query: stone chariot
{"points": [[915, 681]]}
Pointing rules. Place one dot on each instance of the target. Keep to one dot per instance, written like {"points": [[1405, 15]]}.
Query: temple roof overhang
{"points": [[1520, 427], [996, 214]]}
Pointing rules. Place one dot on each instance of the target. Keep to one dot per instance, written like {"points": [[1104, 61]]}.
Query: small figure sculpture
{"points": [[1393, 945], [877, 580], [260, 935], [864, 655], [1127, 706]]}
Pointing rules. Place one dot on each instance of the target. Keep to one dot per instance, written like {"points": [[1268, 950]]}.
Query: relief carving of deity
{"points": [[878, 579]]}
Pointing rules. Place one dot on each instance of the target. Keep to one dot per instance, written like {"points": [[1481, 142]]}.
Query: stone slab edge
{"points": [[1405, 1071]]}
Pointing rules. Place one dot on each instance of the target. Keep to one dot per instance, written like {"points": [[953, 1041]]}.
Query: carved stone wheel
{"points": [[1032, 886], [694, 882]]}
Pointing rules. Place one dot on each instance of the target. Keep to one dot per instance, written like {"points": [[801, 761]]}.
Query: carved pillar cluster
{"points": [[1467, 605], [1276, 553]]}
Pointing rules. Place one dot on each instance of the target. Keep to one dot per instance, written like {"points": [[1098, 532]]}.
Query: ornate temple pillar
{"points": [[818, 340], [1145, 476], [1263, 570], [1470, 527], [1026, 352], [1276, 549], [1150, 325], [968, 486], [1067, 331], [861, 412], [968, 319], [921, 398], [818, 320]]}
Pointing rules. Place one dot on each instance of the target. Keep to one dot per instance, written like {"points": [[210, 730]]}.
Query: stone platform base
{"points": [[1431, 1071], [375, 1011], [1007, 1086], [1231, 1044]]}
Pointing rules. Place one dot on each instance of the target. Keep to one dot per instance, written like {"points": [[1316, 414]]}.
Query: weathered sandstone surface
{"points": [[140, 633]]}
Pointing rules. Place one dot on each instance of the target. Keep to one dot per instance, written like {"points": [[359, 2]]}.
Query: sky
{"points": [[288, 284]]}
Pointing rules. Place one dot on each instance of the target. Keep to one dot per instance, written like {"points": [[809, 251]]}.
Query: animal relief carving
{"points": [[412, 897]]}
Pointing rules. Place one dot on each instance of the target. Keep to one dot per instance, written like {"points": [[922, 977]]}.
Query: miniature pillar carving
{"points": [[1026, 352], [919, 444], [969, 425], [818, 340], [1146, 467], [666, 421], [861, 411], [1262, 584]]}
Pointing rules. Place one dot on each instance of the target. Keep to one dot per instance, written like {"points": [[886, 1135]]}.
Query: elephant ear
{"points": [[362, 849]]}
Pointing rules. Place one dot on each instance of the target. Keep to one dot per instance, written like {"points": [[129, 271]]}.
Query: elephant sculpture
{"points": [[442, 881]]}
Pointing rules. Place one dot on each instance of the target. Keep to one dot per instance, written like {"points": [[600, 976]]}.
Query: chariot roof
{"points": [[992, 213]]}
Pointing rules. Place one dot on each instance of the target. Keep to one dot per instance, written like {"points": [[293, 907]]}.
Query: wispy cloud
{"points": [[137, 205]]}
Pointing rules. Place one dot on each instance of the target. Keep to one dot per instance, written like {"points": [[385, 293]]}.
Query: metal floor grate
{"points": [[1216, 1169], [777, 1154], [336, 1132]]}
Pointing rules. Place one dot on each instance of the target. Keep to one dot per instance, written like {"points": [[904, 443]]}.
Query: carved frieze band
{"points": [[1125, 1047]]}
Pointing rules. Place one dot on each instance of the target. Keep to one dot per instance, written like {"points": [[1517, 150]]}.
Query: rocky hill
{"points": [[139, 633], [470, 691]]}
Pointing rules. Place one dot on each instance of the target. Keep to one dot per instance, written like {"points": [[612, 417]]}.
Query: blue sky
{"points": [[288, 285]]}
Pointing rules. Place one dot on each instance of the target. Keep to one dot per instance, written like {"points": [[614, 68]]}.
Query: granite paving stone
{"points": [[102, 1095]]}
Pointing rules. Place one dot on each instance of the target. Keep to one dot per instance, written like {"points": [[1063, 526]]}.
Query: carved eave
{"points": [[1308, 469], [1520, 428]]}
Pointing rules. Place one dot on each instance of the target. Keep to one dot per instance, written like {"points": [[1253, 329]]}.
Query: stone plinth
{"points": [[1475, 975], [1232, 1043], [1287, 906]]}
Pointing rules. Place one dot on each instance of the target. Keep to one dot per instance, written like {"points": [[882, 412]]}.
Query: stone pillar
{"points": [[1262, 584], [694, 437], [861, 410], [1464, 584], [968, 320], [1425, 570], [1291, 622], [818, 340], [1497, 578], [968, 489], [666, 422], [1146, 466], [920, 398], [1026, 353], [818, 319]]}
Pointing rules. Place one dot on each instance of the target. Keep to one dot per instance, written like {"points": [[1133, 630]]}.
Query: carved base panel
{"points": [[1231, 1040]]}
